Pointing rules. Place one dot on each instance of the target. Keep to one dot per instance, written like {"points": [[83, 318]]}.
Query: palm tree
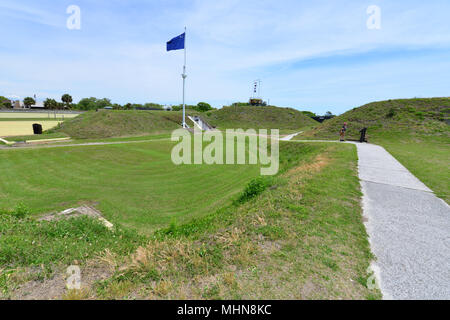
{"points": [[67, 99]]}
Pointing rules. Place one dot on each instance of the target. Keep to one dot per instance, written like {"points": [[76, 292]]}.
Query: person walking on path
{"points": [[342, 132]]}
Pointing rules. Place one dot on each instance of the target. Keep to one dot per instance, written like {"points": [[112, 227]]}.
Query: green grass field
{"points": [[136, 185], [204, 231], [301, 238]]}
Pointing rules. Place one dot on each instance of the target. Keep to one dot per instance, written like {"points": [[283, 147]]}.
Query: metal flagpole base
{"points": [[184, 76]]}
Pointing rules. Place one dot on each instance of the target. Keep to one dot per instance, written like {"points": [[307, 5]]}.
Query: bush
{"points": [[254, 187], [392, 112], [20, 211]]}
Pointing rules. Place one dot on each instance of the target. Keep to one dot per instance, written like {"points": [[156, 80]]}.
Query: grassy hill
{"points": [[285, 119], [404, 116], [105, 124], [415, 131]]}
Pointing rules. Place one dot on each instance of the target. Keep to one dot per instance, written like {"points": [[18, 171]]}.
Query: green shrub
{"points": [[21, 211], [420, 115], [392, 112], [254, 187]]}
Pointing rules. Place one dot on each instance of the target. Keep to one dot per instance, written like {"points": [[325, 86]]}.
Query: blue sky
{"points": [[310, 55]]}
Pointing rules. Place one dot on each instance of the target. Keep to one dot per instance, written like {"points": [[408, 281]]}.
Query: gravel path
{"points": [[289, 137], [61, 145], [408, 227]]}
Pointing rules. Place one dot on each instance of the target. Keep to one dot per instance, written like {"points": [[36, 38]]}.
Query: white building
{"points": [[19, 105]]}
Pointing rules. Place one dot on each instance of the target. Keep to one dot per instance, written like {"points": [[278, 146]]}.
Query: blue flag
{"points": [[176, 43]]}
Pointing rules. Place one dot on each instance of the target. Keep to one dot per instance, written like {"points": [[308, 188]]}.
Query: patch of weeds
{"points": [[118, 290], [391, 113], [6, 285], [272, 232], [300, 210], [254, 188], [76, 294], [229, 279], [21, 211], [373, 296], [420, 115], [211, 292], [25, 242], [330, 263]]}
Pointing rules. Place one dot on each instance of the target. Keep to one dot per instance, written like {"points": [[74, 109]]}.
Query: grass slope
{"points": [[105, 124], [269, 117], [303, 238], [404, 116], [134, 184], [415, 131]]}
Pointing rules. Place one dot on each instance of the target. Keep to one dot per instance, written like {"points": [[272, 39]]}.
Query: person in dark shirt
{"points": [[342, 132]]}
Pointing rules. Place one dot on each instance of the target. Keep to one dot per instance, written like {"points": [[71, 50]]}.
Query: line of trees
{"points": [[52, 104], [93, 103]]}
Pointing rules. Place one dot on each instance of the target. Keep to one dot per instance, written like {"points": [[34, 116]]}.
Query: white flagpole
{"points": [[184, 80]]}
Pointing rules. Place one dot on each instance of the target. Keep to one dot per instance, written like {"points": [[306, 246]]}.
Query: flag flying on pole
{"points": [[176, 43]]}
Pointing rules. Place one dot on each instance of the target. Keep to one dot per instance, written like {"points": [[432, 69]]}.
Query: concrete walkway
{"points": [[408, 227], [81, 144], [289, 137]]}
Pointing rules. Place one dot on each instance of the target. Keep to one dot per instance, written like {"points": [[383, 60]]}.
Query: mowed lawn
{"points": [[136, 185]]}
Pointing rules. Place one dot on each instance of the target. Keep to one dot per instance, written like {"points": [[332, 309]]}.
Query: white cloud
{"points": [[30, 13]]}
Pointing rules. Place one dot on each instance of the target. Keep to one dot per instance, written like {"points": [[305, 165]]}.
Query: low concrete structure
{"points": [[200, 123]]}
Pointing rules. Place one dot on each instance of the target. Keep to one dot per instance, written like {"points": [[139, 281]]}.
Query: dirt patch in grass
{"points": [[55, 287], [83, 210]]}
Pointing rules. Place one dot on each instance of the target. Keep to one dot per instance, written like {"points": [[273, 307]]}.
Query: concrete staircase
{"points": [[200, 123]]}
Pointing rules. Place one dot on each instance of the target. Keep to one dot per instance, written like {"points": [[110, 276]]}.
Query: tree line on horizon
{"points": [[92, 103]]}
